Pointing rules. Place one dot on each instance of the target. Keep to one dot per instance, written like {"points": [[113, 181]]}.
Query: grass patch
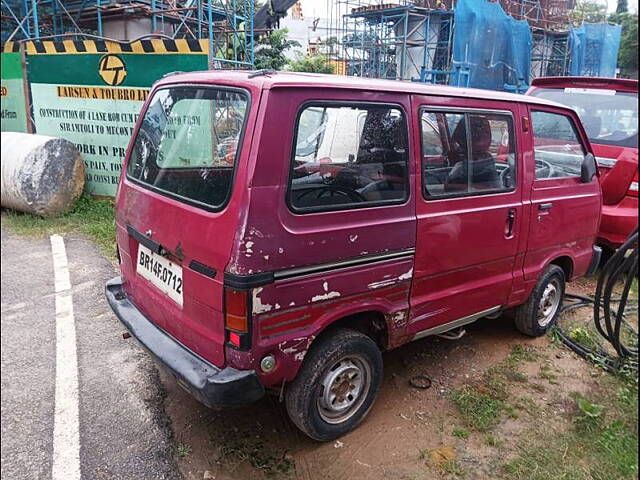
{"points": [[453, 467], [259, 455], [481, 406], [498, 377], [522, 353], [527, 405], [584, 337], [183, 449], [492, 441], [89, 216], [601, 444], [480, 411], [460, 433], [547, 373]]}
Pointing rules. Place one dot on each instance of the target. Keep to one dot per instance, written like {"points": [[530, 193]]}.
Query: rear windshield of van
{"points": [[188, 143], [608, 117]]}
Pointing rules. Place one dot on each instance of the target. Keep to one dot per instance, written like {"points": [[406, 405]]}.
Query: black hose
{"points": [[609, 321]]}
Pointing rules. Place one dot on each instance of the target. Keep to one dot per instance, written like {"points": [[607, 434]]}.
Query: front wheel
{"points": [[541, 310], [336, 386]]}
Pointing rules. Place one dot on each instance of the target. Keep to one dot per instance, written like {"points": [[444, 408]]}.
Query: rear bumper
{"points": [[618, 221], [214, 387]]}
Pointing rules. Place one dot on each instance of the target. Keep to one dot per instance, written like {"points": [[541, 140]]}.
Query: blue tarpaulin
{"points": [[490, 49], [594, 49]]}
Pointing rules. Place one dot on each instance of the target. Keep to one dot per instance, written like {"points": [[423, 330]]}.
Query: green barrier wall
{"points": [[13, 107]]}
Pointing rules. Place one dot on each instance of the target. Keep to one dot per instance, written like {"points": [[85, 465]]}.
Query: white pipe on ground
{"points": [[41, 175]]}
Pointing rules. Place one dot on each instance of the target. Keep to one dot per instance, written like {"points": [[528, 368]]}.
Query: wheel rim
{"points": [[344, 388], [549, 303]]}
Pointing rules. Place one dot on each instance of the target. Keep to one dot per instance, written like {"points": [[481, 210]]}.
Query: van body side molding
{"points": [[244, 282], [445, 327], [350, 262], [203, 269]]}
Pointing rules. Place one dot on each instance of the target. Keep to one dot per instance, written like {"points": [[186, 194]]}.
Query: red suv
{"points": [[608, 108], [278, 232]]}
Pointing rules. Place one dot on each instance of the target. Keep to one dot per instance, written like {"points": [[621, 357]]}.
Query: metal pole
{"points": [[54, 19], [425, 56], [404, 59], [99, 12], [36, 27], [27, 13], [210, 15], [26, 87], [154, 21], [199, 18], [251, 35]]}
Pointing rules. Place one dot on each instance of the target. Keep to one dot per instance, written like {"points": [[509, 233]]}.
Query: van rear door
{"points": [[175, 220]]}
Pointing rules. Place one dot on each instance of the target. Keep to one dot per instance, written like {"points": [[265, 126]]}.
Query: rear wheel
{"points": [[541, 310], [336, 386]]}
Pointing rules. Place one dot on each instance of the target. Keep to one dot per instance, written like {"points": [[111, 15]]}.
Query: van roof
{"points": [[271, 80]]}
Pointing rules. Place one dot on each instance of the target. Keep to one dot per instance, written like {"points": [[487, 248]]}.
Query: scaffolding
{"points": [[550, 53], [413, 40], [227, 24], [403, 40], [541, 14]]}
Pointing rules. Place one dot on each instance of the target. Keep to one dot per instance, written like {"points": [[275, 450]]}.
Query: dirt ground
{"points": [[406, 426]]}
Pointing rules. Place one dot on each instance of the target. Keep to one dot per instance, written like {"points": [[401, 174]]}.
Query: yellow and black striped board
{"points": [[151, 45]]}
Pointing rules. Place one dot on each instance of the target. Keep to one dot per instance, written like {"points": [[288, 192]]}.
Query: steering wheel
{"points": [[505, 177], [332, 190], [543, 169]]}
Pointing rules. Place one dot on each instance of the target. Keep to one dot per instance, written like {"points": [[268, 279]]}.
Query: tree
{"points": [[628, 56], [622, 6], [269, 53], [591, 11], [311, 63]]}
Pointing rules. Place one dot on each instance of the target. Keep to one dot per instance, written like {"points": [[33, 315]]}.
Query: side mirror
{"points": [[589, 168]]}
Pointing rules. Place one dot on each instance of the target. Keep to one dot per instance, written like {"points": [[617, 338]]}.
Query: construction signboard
{"points": [[13, 100], [91, 93]]}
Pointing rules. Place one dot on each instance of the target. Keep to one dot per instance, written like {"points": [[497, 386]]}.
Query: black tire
{"points": [[527, 316], [333, 353]]}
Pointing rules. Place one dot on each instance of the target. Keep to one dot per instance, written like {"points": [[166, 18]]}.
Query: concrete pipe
{"points": [[40, 175]]}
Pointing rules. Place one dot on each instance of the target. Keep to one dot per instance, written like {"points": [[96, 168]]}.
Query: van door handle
{"points": [[544, 207], [152, 245], [511, 220]]}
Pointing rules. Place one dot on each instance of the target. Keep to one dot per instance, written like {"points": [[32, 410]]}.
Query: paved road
{"points": [[123, 431]]}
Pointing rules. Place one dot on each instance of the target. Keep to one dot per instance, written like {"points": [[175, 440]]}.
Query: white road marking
{"points": [[66, 428]]}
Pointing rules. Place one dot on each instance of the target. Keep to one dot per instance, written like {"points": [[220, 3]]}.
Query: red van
{"points": [[608, 108], [354, 216]]}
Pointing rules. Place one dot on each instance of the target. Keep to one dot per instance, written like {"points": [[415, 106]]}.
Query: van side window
{"points": [[349, 156], [557, 147], [460, 162]]}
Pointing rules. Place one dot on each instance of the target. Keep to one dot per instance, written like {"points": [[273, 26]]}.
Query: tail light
{"points": [[633, 188], [236, 318]]}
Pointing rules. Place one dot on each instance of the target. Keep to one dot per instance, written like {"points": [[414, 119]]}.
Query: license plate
{"points": [[165, 275]]}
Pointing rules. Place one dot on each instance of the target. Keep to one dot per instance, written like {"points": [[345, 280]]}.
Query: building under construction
{"points": [[503, 43], [227, 24], [496, 44]]}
